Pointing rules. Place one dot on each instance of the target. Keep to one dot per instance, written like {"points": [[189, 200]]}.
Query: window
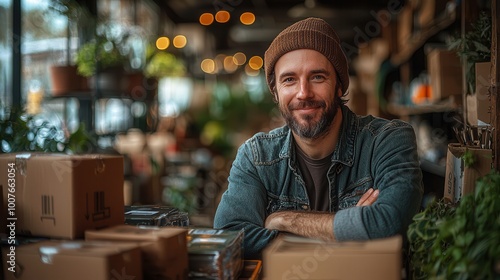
{"points": [[5, 55], [48, 39]]}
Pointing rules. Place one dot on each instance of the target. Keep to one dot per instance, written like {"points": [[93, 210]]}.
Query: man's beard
{"points": [[311, 130]]}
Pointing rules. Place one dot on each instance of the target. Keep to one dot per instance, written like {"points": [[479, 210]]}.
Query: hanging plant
{"points": [[474, 46], [160, 64]]}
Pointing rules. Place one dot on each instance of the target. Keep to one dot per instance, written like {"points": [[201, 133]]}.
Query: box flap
{"points": [[290, 244], [134, 233], [51, 248]]}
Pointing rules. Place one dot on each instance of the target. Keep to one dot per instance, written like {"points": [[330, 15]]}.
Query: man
{"points": [[327, 173]]}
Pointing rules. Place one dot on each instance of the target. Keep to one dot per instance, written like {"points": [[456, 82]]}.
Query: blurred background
{"points": [[176, 86]]}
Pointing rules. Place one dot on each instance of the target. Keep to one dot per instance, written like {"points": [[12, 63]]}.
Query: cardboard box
{"points": [[164, 249], [445, 74], [301, 258], [460, 179], [479, 104], [58, 195], [75, 260]]}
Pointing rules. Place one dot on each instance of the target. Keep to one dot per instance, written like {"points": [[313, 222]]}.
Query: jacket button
{"points": [[305, 206]]}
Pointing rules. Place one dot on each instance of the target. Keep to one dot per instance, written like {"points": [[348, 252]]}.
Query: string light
{"points": [[206, 19], [239, 58], [222, 16], [255, 62], [229, 65], [162, 43], [247, 18], [208, 66], [179, 41]]}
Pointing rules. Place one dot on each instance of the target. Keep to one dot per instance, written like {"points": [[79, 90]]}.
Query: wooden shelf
{"points": [[81, 95], [405, 110], [418, 39]]}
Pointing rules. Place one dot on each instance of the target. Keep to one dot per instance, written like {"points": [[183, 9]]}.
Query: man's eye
{"points": [[318, 77], [287, 80]]}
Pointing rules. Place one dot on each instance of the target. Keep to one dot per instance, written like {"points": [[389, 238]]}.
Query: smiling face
{"points": [[308, 92]]}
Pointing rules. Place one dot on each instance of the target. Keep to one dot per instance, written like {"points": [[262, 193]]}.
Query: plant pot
{"points": [[66, 80], [140, 88], [110, 81]]}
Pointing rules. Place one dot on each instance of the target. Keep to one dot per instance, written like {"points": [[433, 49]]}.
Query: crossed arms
{"points": [[312, 224]]}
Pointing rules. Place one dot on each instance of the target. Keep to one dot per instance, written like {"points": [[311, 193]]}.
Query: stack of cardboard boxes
{"points": [[64, 212]]}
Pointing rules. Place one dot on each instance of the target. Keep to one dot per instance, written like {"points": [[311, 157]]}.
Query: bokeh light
{"points": [[251, 72], [208, 66], [222, 16], [247, 18], [179, 41], [239, 58], [255, 62], [229, 65], [206, 19], [162, 43]]}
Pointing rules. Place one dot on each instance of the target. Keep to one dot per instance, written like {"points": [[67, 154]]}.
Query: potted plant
{"points": [[64, 76], [103, 62], [473, 47], [158, 65]]}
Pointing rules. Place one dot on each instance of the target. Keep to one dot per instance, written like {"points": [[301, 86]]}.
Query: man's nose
{"points": [[304, 89]]}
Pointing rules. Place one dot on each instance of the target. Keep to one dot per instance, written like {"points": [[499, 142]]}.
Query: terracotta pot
{"points": [[140, 88], [66, 80]]}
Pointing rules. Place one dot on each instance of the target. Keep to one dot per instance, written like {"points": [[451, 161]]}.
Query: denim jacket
{"points": [[371, 153]]}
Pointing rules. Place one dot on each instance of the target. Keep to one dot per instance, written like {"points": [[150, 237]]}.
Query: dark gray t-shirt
{"points": [[314, 174]]}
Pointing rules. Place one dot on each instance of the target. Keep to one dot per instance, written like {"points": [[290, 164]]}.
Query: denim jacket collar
{"points": [[348, 133], [347, 139]]}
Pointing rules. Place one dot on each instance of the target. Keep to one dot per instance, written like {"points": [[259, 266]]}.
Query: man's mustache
{"points": [[307, 104]]}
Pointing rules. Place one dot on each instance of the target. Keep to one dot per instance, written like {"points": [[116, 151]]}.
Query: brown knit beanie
{"points": [[310, 33]]}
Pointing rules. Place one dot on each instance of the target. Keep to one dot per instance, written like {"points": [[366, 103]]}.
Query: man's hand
{"points": [[368, 198]]}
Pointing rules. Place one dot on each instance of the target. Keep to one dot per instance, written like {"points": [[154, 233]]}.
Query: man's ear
{"points": [[339, 91]]}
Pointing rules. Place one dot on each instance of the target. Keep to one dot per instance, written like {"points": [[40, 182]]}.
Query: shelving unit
{"points": [[404, 112], [418, 39], [89, 103], [408, 57], [85, 111]]}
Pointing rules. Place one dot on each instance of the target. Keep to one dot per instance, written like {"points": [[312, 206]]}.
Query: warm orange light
{"points": [[247, 18], [179, 41], [255, 62], [229, 64], [206, 19], [222, 16], [162, 43], [208, 65], [251, 72], [239, 58]]}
